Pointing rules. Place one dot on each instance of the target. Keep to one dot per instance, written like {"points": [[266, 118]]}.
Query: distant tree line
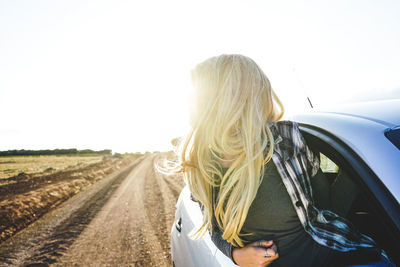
{"points": [[71, 151]]}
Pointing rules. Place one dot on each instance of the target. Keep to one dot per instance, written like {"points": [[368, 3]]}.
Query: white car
{"points": [[360, 156]]}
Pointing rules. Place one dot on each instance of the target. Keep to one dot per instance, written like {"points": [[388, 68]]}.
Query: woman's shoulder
{"points": [[285, 123], [286, 128], [288, 134]]}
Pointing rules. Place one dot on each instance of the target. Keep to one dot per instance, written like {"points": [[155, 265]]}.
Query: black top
{"points": [[272, 217]]}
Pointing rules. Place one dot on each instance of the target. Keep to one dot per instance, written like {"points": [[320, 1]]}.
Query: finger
{"points": [[266, 254], [272, 257], [267, 243], [257, 243], [262, 243], [268, 261], [270, 253]]}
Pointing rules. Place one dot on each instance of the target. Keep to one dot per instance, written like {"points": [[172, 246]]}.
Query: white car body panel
{"points": [[222, 260], [191, 216]]}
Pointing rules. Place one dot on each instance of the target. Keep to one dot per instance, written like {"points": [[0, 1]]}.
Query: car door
{"points": [[185, 251], [222, 260]]}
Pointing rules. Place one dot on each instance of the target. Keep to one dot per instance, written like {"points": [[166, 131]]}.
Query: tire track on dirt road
{"points": [[169, 186], [154, 210], [174, 188], [160, 206]]}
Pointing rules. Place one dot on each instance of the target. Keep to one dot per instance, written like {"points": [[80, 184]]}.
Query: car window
{"points": [[393, 135], [327, 165]]}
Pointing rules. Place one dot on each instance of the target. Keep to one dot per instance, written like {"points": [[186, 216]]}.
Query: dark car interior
{"points": [[340, 187], [334, 191]]}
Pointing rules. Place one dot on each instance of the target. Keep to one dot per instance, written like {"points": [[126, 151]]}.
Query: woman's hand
{"points": [[257, 254]]}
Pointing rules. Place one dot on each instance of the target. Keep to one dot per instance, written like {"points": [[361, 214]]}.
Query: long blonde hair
{"points": [[233, 103]]}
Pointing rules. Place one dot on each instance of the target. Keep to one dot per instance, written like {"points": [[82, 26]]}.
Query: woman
{"points": [[250, 173]]}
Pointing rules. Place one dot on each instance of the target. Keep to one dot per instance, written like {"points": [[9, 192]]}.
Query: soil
{"points": [[25, 198], [123, 219]]}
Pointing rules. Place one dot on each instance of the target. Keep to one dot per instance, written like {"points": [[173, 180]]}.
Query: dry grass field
{"points": [[14, 165]]}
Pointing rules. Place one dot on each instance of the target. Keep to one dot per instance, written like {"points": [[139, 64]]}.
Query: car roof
{"points": [[362, 126], [386, 112]]}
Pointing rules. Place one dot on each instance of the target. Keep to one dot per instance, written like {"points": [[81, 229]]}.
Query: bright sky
{"points": [[116, 74]]}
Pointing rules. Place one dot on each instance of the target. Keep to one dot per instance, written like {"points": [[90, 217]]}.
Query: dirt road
{"points": [[123, 220]]}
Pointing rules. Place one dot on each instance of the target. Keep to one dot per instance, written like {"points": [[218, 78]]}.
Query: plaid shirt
{"points": [[296, 164]]}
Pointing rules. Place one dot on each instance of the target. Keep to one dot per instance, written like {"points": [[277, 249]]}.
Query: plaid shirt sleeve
{"points": [[311, 156]]}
